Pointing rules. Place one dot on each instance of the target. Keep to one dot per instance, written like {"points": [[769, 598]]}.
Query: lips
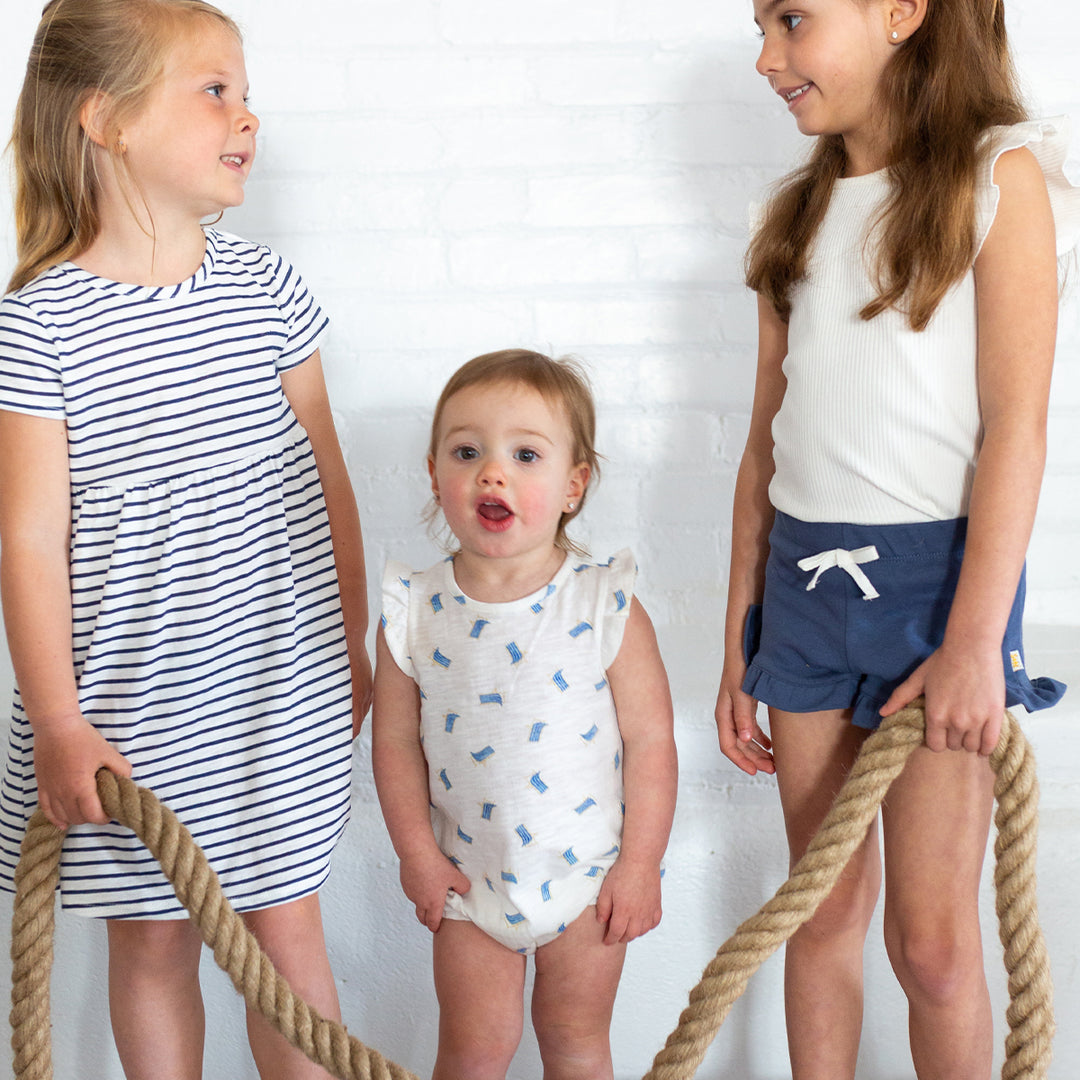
{"points": [[795, 93], [494, 515], [236, 161]]}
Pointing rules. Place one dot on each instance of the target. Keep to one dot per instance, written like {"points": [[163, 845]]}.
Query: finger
{"points": [[991, 735], [53, 812], [461, 884], [90, 810]]}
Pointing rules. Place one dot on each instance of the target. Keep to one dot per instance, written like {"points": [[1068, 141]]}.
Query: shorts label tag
{"points": [[1014, 658]]}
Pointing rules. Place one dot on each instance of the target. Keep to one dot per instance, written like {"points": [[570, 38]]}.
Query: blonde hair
{"points": [[561, 382], [113, 48], [942, 88]]}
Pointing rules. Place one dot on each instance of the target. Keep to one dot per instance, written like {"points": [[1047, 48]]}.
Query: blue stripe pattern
{"points": [[206, 627]]}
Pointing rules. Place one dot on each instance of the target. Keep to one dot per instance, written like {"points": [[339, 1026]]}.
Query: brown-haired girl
{"points": [[907, 299], [522, 731], [170, 481]]}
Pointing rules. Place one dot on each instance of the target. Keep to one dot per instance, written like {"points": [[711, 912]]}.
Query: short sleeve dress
{"points": [[207, 634]]}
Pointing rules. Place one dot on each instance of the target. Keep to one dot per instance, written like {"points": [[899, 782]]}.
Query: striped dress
{"points": [[207, 633]]}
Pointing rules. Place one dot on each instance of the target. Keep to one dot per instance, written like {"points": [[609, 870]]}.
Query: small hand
{"points": [[629, 901], [741, 738], [964, 691], [426, 879], [67, 755]]}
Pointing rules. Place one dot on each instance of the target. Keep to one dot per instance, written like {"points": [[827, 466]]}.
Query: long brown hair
{"points": [[561, 382], [942, 88], [115, 48]]}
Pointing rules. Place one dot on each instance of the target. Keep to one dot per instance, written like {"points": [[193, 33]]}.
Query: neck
{"points": [[499, 581], [141, 245]]}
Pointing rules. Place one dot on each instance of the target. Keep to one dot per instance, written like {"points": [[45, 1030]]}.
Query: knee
{"points": [[935, 960], [154, 949], [479, 1053], [573, 1050], [846, 912]]}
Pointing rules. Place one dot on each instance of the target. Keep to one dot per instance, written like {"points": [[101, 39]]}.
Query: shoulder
{"points": [[1022, 165]]}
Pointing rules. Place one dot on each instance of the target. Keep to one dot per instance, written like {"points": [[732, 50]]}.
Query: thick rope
{"points": [[881, 760], [236, 951]]}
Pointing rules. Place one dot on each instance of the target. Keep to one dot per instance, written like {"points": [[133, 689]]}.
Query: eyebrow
{"points": [[769, 7], [518, 432]]}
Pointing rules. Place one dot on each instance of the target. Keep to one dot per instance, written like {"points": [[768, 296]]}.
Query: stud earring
{"points": [[570, 507], [121, 146], [895, 35]]}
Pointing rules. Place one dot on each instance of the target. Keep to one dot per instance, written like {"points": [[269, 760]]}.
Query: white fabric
{"points": [[880, 425], [847, 561], [520, 736]]}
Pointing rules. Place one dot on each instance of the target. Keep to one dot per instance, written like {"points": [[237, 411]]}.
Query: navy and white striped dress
{"points": [[208, 641]]}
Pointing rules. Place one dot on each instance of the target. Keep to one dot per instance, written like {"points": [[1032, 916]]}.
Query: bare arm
{"points": [[35, 531], [306, 390], [1016, 285], [629, 900], [741, 739], [401, 781]]}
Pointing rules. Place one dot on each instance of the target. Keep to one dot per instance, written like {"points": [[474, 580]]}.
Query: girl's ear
{"points": [[93, 117], [904, 18], [579, 481]]}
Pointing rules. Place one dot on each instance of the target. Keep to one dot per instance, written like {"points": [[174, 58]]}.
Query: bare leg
{"points": [[823, 973], [479, 984], [936, 820], [155, 1003], [292, 936], [577, 976]]}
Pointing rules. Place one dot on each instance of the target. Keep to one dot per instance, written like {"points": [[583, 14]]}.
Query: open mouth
{"points": [[233, 159], [494, 515], [793, 95]]}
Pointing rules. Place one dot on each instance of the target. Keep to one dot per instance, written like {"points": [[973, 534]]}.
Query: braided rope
{"points": [[1030, 1014], [236, 951], [880, 761]]}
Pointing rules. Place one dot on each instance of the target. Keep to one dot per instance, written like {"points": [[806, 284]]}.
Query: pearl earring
{"points": [[895, 35], [570, 507]]}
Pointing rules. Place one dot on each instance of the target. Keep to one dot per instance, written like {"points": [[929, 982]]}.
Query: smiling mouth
{"points": [[793, 95], [233, 159]]}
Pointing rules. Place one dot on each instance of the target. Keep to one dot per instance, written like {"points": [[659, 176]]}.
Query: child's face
{"points": [[191, 148], [825, 59], [504, 470]]}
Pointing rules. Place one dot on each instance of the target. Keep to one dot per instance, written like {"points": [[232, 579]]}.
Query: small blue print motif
{"points": [[460, 599], [515, 653], [569, 856], [382, 621], [537, 728], [508, 877], [442, 661], [600, 685], [538, 783], [491, 699], [450, 718], [536, 608], [490, 886], [485, 812], [559, 680], [513, 920], [580, 629], [593, 871], [589, 735], [445, 779], [585, 805], [482, 755], [545, 891], [477, 627], [526, 836], [620, 599], [464, 836], [436, 603]]}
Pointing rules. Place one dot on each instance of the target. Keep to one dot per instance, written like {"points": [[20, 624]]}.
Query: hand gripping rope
{"points": [[882, 758]]}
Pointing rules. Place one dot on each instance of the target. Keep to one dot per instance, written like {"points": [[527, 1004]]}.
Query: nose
{"points": [[769, 59], [491, 472], [247, 123]]}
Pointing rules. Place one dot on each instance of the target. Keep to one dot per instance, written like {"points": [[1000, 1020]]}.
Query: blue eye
{"points": [[527, 456], [216, 90]]}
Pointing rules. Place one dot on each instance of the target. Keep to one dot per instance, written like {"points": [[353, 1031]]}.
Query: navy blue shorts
{"points": [[867, 606]]}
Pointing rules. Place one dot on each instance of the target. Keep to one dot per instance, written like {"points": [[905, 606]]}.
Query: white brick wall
{"points": [[454, 176]]}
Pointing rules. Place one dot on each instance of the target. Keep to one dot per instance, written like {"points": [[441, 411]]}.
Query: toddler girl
{"points": [[522, 732]]}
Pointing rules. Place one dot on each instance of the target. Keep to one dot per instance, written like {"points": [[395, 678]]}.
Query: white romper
{"points": [[520, 735]]}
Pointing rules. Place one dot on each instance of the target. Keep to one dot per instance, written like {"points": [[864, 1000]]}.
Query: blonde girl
{"points": [[522, 730], [175, 518], [907, 298]]}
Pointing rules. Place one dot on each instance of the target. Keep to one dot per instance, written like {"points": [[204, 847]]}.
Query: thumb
{"points": [[461, 884]]}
